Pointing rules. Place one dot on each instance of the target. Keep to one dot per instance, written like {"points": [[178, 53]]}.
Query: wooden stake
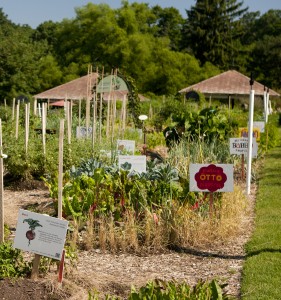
{"points": [[94, 124], [2, 231], [35, 267], [89, 92], [68, 120], [43, 120], [13, 111], [211, 208], [242, 167], [27, 107], [109, 108], [101, 96], [61, 267], [35, 107], [60, 179], [17, 119]]}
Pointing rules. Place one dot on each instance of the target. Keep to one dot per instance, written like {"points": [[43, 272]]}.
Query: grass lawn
{"points": [[261, 277]]}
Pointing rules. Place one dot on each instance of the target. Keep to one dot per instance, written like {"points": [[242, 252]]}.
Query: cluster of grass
{"points": [[262, 269], [178, 225]]}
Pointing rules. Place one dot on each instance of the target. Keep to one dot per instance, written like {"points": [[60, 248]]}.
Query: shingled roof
{"points": [[75, 89], [229, 83]]}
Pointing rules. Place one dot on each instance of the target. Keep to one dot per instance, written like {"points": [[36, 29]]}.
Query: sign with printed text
{"points": [[239, 146], [127, 146], [211, 177], [40, 234], [136, 163], [243, 133], [260, 125], [81, 132]]}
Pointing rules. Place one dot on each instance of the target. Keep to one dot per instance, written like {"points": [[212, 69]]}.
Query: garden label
{"points": [[126, 145], [239, 146], [243, 133], [40, 234], [81, 132], [211, 177], [137, 163]]}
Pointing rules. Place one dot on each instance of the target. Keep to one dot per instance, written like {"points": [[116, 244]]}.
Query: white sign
{"points": [[40, 234], [259, 125], [137, 162], [211, 177], [239, 146], [126, 145], [81, 132]]}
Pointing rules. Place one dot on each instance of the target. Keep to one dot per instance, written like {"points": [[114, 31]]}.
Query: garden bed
{"points": [[115, 273]]}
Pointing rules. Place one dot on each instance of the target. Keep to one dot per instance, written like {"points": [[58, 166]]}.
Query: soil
{"points": [[115, 274]]}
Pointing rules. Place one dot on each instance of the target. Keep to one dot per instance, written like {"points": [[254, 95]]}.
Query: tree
{"points": [[211, 29], [265, 37], [169, 23]]}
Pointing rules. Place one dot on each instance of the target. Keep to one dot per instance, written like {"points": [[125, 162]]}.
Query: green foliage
{"points": [[160, 289], [211, 28], [11, 262], [208, 124], [105, 189], [270, 137]]}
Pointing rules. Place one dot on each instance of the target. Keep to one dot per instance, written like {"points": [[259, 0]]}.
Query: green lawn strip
{"points": [[261, 278]]}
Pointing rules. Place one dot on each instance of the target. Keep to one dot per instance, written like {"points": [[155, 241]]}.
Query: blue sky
{"points": [[35, 12]]}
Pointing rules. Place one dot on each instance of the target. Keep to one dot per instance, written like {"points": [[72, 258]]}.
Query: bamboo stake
{"points": [[35, 107], [79, 114], [1, 189], [114, 107], [43, 120], [89, 88], [109, 107], [101, 96], [94, 121], [68, 122], [60, 176], [27, 106], [13, 110], [123, 114], [17, 119]]}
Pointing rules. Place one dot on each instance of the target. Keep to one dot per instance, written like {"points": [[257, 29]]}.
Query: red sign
{"points": [[210, 178]]}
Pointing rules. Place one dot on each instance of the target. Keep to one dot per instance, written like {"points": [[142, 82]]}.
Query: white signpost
{"points": [[40, 234], [239, 146], [137, 162]]}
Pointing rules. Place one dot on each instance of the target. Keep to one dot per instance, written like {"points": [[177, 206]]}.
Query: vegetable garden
{"points": [[112, 208]]}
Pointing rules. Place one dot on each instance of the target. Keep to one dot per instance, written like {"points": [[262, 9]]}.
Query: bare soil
{"points": [[115, 273]]}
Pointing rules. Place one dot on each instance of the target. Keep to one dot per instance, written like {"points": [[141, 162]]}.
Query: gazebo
{"points": [[229, 85], [76, 89]]}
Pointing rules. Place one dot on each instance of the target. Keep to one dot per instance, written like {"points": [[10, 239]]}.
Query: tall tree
{"points": [[169, 23], [211, 29]]}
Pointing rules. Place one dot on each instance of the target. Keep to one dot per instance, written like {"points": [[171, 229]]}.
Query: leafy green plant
{"points": [[12, 263], [160, 289]]}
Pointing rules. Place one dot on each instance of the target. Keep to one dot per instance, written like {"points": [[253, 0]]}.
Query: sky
{"points": [[35, 12]]}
